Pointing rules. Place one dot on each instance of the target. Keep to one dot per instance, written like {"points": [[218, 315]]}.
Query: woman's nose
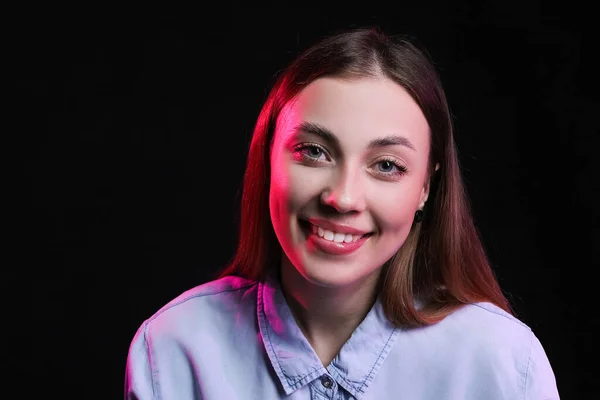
{"points": [[346, 193]]}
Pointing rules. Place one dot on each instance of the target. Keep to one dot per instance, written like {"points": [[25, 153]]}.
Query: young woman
{"points": [[359, 273]]}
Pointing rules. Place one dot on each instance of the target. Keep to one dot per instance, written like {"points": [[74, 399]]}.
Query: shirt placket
{"points": [[325, 388]]}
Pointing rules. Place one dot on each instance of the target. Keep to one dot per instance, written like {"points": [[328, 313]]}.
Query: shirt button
{"points": [[326, 382]]}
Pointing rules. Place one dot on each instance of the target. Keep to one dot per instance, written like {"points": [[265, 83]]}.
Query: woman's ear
{"points": [[426, 187]]}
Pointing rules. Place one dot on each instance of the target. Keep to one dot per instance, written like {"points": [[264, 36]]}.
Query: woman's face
{"points": [[348, 171]]}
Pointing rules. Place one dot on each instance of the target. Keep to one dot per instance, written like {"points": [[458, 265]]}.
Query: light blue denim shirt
{"points": [[235, 339]]}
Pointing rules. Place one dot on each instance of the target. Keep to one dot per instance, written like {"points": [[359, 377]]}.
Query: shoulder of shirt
{"points": [[491, 311], [486, 322], [483, 331], [205, 292]]}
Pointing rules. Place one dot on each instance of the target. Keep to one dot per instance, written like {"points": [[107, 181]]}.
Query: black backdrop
{"points": [[136, 129]]}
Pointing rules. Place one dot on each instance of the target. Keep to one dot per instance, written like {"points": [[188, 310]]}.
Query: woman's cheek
{"points": [[305, 184], [392, 207]]}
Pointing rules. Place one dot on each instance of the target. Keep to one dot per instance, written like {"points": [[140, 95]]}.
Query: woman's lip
{"points": [[335, 227], [335, 248], [315, 242]]}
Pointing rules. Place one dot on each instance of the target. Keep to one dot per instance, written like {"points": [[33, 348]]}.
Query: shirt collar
{"points": [[296, 363]]}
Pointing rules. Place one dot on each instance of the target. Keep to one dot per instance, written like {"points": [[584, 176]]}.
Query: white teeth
{"points": [[339, 237], [334, 236]]}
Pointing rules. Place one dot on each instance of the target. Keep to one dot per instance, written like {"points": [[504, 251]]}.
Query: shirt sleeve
{"points": [[540, 382], [138, 372]]}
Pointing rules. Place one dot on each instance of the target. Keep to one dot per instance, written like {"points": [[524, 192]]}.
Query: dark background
{"points": [[135, 128]]}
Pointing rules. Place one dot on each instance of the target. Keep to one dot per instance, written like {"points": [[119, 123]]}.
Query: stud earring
{"points": [[419, 216]]}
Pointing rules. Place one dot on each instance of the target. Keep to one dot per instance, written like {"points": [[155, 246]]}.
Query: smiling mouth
{"points": [[329, 235]]}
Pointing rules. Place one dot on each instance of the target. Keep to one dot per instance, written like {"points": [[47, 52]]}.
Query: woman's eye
{"points": [[387, 166], [312, 152], [390, 168]]}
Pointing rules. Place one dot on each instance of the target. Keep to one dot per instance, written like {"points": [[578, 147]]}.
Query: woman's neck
{"points": [[326, 315]]}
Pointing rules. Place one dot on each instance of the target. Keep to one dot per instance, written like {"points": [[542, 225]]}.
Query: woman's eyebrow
{"points": [[391, 140], [327, 135], [318, 130]]}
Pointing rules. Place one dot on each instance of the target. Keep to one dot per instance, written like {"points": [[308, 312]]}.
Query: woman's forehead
{"points": [[360, 109]]}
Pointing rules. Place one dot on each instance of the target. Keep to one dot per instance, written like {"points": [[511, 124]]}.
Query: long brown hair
{"points": [[442, 262]]}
